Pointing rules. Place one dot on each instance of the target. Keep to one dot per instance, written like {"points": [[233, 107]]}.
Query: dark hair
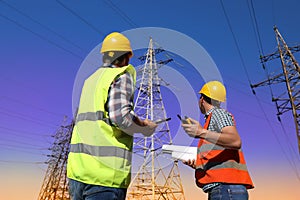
{"points": [[115, 57], [211, 101]]}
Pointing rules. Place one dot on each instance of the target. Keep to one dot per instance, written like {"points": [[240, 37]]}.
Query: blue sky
{"points": [[43, 44]]}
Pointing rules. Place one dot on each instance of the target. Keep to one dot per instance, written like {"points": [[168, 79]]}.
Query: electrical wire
{"points": [[120, 12], [260, 46], [21, 151], [28, 145], [40, 36], [10, 99], [25, 119], [42, 25], [27, 116], [273, 12], [133, 24], [79, 17], [23, 131], [45, 38], [255, 26], [235, 42], [22, 162], [291, 162]]}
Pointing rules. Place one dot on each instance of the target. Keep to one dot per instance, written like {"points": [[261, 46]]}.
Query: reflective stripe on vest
{"points": [[100, 153], [217, 164], [92, 116]]}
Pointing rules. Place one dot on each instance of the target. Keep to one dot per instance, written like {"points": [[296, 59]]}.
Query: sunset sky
{"points": [[44, 46]]}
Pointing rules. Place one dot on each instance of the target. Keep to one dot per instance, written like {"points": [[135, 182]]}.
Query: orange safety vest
{"points": [[215, 164]]}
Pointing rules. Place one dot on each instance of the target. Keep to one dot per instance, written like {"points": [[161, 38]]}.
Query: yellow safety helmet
{"points": [[116, 42], [214, 90]]}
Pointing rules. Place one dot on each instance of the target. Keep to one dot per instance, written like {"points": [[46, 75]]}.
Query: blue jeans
{"points": [[228, 192], [82, 191]]}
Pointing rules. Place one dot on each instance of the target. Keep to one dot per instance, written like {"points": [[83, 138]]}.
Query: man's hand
{"points": [[191, 163], [149, 127], [194, 129]]}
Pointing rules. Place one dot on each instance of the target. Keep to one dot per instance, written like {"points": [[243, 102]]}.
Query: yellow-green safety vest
{"points": [[100, 153]]}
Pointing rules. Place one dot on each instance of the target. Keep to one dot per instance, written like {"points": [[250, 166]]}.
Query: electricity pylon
{"points": [[153, 178], [289, 99], [55, 184]]}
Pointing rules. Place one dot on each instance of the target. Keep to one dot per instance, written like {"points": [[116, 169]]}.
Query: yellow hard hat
{"points": [[115, 42], [214, 90]]}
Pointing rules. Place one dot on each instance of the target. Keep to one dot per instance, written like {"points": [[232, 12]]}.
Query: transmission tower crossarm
{"points": [[271, 80], [276, 54]]}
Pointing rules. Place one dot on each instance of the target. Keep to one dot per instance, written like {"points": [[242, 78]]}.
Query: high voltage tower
{"points": [[55, 184], [289, 99], [153, 176]]}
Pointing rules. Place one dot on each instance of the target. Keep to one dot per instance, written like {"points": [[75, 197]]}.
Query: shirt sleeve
{"points": [[120, 101], [221, 119]]}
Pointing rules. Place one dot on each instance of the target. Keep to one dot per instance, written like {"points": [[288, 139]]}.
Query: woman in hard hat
{"points": [[220, 167], [99, 162]]}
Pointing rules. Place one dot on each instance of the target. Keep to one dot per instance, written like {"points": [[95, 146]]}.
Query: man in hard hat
{"points": [[220, 168], [99, 162]]}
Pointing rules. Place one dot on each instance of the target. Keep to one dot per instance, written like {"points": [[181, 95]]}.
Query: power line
{"points": [[3, 145], [28, 137], [291, 162], [273, 13], [20, 142], [23, 131], [258, 38], [43, 37], [44, 26], [79, 17], [27, 116], [131, 23], [25, 119], [120, 12], [10, 99], [255, 26], [260, 46], [235, 41], [21, 162], [40, 36], [288, 141], [24, 135], [23, 151]]}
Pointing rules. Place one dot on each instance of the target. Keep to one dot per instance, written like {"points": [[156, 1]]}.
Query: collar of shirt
{"points": [[208, 112], [108, 65]]}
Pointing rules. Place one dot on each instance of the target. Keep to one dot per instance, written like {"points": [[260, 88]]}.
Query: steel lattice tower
{"points": [[55, 184], [155, 178], [289, 100]]}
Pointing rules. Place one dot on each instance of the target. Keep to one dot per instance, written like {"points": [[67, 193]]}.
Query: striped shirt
{"points": [[120, 100]]}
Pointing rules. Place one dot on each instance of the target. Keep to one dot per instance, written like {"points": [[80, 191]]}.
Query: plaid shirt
{"points": [[219, 119], [120, 101]]}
